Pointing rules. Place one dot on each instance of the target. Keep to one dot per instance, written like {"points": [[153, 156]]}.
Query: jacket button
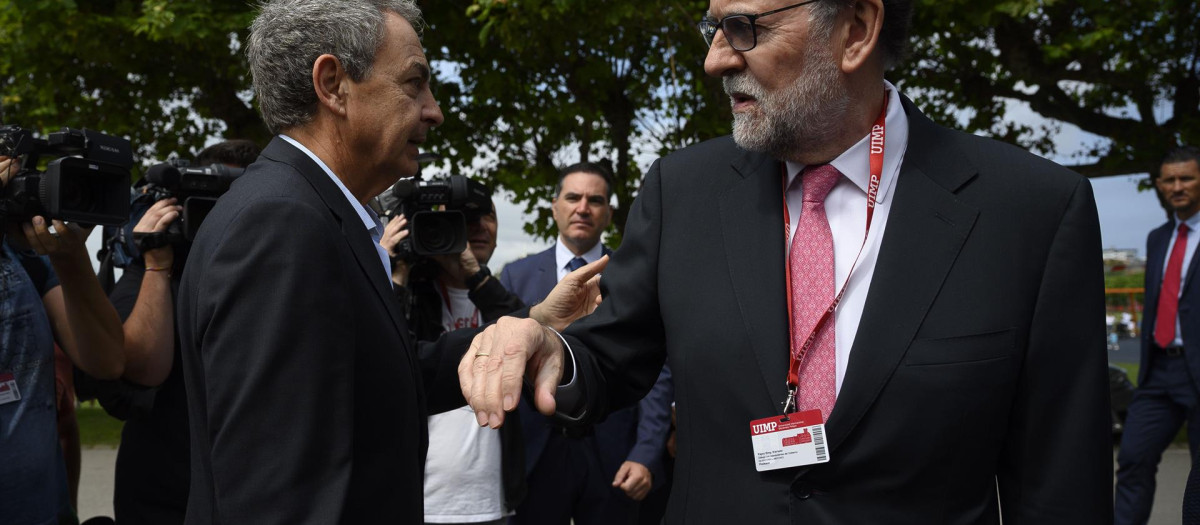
{"points": [[801, 491]]}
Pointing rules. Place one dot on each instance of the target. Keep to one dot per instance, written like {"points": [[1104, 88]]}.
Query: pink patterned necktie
{"points": [[811, 261]]}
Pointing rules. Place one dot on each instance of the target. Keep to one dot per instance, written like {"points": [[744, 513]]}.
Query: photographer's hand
{"points": [[150, 328], [157, 219], [85, 324], [8, 167], [396, 231]]}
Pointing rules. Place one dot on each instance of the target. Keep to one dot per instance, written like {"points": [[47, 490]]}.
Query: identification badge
{"points": [[8, 389], [794, 440]]}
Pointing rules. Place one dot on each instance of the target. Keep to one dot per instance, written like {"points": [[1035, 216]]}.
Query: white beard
{"points": [[798, 118]]}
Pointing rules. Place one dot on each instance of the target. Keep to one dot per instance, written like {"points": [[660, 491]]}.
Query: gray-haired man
{"points": [[307, 397]]}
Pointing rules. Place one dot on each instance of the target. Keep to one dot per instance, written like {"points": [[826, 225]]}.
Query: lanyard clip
{"points": [[789, 404]]}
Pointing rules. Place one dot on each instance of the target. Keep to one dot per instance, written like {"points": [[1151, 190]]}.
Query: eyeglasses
{"points": [[739, 30]]}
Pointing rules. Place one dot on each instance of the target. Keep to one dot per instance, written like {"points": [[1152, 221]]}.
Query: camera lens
{"points": [[438, 232]]}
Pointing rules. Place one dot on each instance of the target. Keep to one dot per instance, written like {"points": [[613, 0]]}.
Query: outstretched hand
{"points": [[500, 358], [576, 295]]}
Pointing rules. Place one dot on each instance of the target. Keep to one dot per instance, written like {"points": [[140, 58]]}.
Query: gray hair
{"points": [[287, 36], [893, 36]]}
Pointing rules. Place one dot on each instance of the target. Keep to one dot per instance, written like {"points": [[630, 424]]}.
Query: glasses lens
{"points": [[739, 30], [708, 29]]}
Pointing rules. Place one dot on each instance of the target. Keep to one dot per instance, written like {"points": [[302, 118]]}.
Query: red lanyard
{"points": [[796, 356]]}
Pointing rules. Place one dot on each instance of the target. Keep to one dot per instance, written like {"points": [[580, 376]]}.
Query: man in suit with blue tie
{"points": [[591, 474], [1169, 377]]}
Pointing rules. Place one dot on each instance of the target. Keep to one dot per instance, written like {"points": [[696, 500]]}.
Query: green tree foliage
{"points": [[532, 85], [1125, 70], [165, 74]]}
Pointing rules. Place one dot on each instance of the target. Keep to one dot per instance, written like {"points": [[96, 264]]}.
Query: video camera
{"points": [[435, 232], [197, 188], [88, 182]]}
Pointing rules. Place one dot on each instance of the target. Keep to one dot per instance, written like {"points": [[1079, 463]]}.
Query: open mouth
{"points": [[741, 100]]}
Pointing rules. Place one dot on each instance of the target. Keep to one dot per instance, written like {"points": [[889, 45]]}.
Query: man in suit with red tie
{"points": [[928, 304], [1169, 378]]}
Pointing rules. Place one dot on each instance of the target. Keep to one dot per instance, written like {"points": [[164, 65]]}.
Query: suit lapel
{"points": [[752, 229], [351, 225], [547, 274], [1191, 271], [1155, 259], [926, 230]]}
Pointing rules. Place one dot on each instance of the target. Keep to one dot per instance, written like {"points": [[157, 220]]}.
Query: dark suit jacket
{"points": [[977, 379], [637, 433], [1189, 301], [306, 397]]}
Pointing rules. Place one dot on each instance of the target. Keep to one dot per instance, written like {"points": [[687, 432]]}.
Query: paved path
{"points": [[95, 485], [96, 482]]}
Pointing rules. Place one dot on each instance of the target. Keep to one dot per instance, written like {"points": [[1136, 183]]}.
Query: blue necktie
{"points": [[575, 264]]}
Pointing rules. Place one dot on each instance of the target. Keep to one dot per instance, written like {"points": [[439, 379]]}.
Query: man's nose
{"points": [[722, 59]]}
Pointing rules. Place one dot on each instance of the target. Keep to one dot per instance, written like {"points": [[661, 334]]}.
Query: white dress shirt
{"points": [[1193, 239], [846, 209], [563, 255]]}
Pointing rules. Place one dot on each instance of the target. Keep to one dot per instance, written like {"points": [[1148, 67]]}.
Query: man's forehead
{"points": [[1190, 167], [718, 8]]}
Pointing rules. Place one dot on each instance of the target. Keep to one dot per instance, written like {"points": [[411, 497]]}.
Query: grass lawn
{"points": [[96, 427]]}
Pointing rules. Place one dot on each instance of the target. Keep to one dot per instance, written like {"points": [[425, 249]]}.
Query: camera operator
{"points": [[449, 292], [48, 294], [153, 464]]}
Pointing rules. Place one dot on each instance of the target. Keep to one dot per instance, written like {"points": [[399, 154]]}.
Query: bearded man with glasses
{"points": [[925, 306]]}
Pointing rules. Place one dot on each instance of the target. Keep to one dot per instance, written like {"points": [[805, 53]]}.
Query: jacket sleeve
{"points": [[494, 300], [619, 349], [1056, 463]]}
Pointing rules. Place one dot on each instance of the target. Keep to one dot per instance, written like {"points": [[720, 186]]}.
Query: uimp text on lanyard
{"points": [[796, 356]]}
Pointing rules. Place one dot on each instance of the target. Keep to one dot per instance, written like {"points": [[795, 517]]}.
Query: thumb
{"points": [[549, 372], [622, 475]]}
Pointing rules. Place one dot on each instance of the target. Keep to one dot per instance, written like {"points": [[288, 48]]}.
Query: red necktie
{"points": [[1168, 298], [811, 261]]}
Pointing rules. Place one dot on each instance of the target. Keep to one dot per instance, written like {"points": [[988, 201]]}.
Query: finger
{"points": [[479, 375], [31, 236], [466, 380], [72, 233], [507, 368], [587, 271], [641, 492], [622, 473], [165, 220], [45, 239], [549, 373]]}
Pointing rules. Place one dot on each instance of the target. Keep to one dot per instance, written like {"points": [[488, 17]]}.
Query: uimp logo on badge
{"points": [[799, 440]]}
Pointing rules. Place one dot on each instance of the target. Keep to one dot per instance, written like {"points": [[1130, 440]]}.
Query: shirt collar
{"points": [[855, 163], [1193, 222], [368, 216], [563, 255]]}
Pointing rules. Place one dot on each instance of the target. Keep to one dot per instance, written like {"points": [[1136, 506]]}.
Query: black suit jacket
{"points": [[977, 379], [637, 433], [306, 397], [1189, 301]]}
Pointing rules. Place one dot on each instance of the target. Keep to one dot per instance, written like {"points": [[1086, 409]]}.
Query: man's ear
{"points": [[329, 82], [859, 31]]}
